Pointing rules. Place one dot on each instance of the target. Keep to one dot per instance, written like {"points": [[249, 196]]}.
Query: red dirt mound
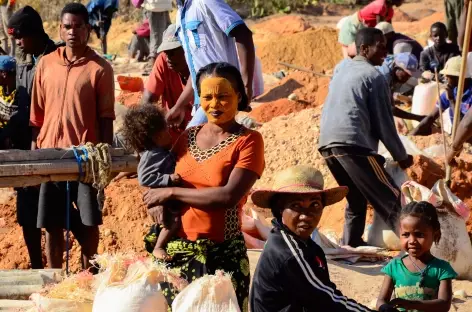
{"points": [[282, 107], [426, 172], [311, 91], [129, 99], [401, 16], [125, 223]]}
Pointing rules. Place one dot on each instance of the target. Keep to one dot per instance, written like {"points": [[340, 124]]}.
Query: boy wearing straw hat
{"points": [[292, 272]]}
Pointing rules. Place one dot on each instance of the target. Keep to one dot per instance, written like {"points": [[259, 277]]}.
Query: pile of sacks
{"points": [[127, 283]]}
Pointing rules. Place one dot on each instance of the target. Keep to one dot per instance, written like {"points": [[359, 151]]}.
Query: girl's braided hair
{"points": [[426, 212]]}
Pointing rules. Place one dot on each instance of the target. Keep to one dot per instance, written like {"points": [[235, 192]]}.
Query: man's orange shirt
{"points": [[69, 99], [247, 152]]}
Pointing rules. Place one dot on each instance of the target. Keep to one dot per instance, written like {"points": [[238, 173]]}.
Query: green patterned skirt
{"points": [[201, 257]]}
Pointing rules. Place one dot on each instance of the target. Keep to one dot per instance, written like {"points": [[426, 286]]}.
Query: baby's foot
{"points": [[161, 254]]}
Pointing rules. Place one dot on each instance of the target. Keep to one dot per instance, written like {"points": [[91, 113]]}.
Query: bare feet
{"points": [[161, 254]]}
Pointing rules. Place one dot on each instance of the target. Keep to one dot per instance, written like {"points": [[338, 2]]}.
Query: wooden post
{"points": [[460, 88], [441, 122]]}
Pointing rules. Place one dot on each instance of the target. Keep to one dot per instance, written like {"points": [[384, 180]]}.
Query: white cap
{"points": [[385, 27]]}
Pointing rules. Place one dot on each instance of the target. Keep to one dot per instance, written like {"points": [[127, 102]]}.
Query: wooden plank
{"points": [[15, 305], [127, 163], [18, 292], [46, 154], [50, 272], [30, 277]]}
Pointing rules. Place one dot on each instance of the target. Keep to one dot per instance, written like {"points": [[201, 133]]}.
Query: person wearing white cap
{"points": [[398, 70], [448, 98], [399, 43]]}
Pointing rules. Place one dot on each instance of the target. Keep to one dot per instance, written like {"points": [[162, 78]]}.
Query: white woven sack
{"points": [[210, 293], [140, 296]]}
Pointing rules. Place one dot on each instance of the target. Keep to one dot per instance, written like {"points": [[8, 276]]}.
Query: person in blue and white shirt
{"points": [[210, 32], [448, 97]]}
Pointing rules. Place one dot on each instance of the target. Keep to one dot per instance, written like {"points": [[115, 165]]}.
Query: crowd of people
{"points": [[198, 164]]}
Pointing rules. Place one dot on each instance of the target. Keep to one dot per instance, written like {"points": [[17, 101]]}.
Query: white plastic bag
{"points": [[210, 293]]}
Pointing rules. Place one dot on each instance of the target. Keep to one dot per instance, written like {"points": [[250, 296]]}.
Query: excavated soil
{"points": [[315, 49], [401, 16], [285, 25], [125, 223], [129, 99], [310, 92]]}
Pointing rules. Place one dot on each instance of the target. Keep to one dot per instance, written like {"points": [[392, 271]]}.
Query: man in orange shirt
{"points": [[72, 103], [169, 76]]}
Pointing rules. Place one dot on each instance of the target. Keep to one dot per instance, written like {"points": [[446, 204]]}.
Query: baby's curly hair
{"points": [[141, 124]]}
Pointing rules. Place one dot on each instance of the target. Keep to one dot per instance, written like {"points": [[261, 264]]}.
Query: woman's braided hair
{"points": [[426, 212]]}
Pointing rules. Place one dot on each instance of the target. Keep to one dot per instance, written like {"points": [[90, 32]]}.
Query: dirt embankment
{"points": [[316, 49], [309, 91], [125, 223]]}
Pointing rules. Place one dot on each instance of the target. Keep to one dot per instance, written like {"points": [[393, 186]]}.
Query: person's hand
{"points": [[400, 303], [424, 128], [157, 196], [157, 214], [420, 118], [406, 163], [450, 157], [175, 117], [387, 308], [428, 75], [450, 92], [176, 179], [123, 175]]}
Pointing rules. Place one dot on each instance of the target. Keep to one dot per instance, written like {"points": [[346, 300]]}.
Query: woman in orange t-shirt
{"points": [[218, 162]]}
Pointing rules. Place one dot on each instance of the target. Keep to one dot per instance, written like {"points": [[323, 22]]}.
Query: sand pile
{"points": [[419, 30], [315, 48], [401, 16], [310, 92], [292, 140], [285, 25]]}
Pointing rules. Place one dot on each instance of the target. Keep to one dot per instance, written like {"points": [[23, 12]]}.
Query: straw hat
{"points": [[453, 67], [299, 180]]}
